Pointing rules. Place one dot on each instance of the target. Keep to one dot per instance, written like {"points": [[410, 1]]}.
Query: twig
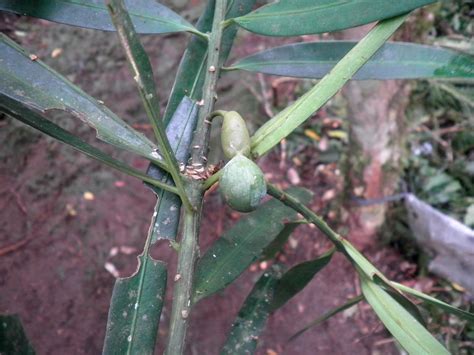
{"points": [[266, 95], [15, 246], [19, 201]]}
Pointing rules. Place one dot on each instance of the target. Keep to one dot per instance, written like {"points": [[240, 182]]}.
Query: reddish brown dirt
{"points": [[54, 241]]}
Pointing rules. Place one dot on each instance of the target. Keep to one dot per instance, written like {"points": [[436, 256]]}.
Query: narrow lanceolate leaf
{"points": [[13, 339], [350, 303], [192, 69], [274, 247], [39, 88], [280, 126], [143, 75], [370, 271], [143, 314], [411, 335], [295, 279], [24, 114], [180, 134], [243, 244], [147, 16], [299, 17], [135, 309], [271, 292], [392, 61], [252, 317], [138, 61], [435, 302]]}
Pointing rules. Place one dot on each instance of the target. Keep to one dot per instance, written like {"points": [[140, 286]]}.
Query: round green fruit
{"points": [[242, 184], [235, 137]]}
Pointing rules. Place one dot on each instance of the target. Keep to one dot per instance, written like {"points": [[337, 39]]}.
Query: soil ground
{"points": [[63, 217]]}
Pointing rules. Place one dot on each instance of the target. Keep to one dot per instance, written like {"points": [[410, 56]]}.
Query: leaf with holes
{"points": [[135, 309]]}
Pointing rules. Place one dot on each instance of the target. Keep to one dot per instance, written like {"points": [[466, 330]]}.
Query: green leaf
{"points": [[13, 339], [398, 296], [294, 280], [299, 17], [147, 16], [252, 317], [150, 280], [363, 265], [411, 335], [191, 72], [280, 126], [180, 133], [41, 89], [271, 292], [135, 309], [138, 61], [243, 244], [392, 61], [143, 75], [26, 115], [274, 247], [435, 302], [350, 303]]}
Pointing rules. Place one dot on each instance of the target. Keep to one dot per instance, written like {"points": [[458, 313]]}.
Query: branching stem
{"points": [[189, 247], [292, 202]]}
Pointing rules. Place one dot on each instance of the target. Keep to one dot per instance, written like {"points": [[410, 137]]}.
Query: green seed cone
{"points": [[242, 184], [235, 137]]}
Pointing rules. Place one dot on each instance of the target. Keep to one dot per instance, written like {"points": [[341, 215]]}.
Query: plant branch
{"points": [[201, 137], [280, 126], [211, 180], [188, 253], [292, 202], [189, 247], [143, 75], [354, 256]]}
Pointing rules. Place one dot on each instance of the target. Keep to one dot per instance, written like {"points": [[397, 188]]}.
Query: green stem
{"points": [[292, 202], [189, 247], [280, 126], [199, 34], [201, 137], [343, 245], [212, 180], [188, 252], [143, 75]]}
